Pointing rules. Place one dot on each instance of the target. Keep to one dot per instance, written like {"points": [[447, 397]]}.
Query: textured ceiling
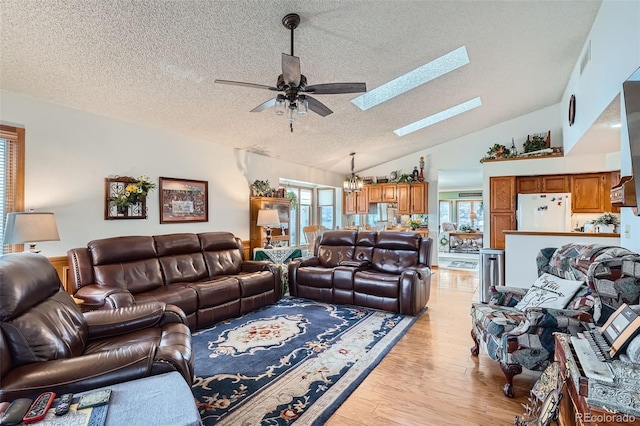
{"points": [[154, 63]]}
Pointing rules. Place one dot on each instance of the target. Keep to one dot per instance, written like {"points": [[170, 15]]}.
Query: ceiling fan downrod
{"points": [[291, 21]]}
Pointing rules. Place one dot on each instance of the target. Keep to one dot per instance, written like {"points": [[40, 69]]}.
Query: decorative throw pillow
{"points": [[549, 291]]}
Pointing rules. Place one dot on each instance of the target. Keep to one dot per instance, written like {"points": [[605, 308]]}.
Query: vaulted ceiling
{"points": [[154, 63]]}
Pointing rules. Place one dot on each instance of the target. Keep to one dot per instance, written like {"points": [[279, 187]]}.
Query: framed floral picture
{"points": [[183, 200]]}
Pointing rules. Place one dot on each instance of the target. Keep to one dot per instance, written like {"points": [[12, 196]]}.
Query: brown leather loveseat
{"points": [[386, 270], [47, 344], [203, 274]]}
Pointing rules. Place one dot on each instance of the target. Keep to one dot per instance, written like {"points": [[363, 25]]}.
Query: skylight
{"points": [[413, 79], [438, 117]]}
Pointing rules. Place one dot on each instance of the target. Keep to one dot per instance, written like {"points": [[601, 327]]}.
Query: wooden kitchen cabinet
{"points": [[375, 193], [403, 194], [356, 202], [362, 201], [588, 193], [556, 183], [501, 222], [502, 193], [418, 194], [541, 184], [529, 184], [389, 193], [502, 200]]}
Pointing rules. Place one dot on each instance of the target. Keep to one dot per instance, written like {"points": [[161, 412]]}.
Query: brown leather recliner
{"points": [[382, 270], [48, 344]]}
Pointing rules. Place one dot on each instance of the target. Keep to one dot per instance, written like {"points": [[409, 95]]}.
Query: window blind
{"points": [[11, 177]]}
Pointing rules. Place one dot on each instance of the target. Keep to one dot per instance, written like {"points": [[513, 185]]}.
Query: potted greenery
{"points": [[607, 222]]}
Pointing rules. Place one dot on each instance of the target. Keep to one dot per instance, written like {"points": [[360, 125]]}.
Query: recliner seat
{"points": [[48, 344]]}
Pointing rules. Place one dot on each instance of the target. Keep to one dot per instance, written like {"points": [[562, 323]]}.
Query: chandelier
{"points": [[353, 183]]}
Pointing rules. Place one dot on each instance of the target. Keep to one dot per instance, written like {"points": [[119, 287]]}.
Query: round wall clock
{"points": [[572, 110]]}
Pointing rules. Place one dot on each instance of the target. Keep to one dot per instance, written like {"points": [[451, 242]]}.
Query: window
{"points": [[327, 207], [315, 206], [11, 176], [446, 211], [470, 213]]}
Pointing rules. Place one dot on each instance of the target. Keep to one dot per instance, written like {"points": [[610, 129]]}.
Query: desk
{"points": [[278, 254], [465, 241]]}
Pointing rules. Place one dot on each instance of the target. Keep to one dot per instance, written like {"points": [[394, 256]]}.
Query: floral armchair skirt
{"points": [[519, 339]]}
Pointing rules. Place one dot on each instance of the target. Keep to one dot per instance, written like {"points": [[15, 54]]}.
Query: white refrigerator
{"points": [[544, 212]]}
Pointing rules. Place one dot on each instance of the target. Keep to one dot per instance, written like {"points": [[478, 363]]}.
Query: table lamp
{"points": [[30, 227], [473, 216], [268, 218]]}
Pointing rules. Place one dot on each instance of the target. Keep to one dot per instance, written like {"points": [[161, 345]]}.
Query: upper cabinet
{"points": [[411, 198], [357, 202], [541, 184], [559, 183], [502, 194], [588, 193]]}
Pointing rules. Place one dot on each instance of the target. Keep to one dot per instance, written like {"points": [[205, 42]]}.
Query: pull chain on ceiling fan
{"points": [[294, 101]]}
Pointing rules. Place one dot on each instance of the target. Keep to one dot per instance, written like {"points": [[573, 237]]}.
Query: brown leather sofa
{"points": [[48, 344], [204, 274], [387, 270]]}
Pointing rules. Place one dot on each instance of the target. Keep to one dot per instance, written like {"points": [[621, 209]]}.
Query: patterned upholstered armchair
{"points": [[518, 339]]}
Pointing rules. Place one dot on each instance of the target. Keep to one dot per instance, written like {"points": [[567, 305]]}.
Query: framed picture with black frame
{"points": [[183, 200]]}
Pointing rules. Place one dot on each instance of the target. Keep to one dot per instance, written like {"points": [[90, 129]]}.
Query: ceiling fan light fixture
{"points": [[353, 183], [303, 105], [281, 105]]}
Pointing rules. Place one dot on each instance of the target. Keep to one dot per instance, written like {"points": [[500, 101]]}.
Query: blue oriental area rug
{"points": [[292, 362]]}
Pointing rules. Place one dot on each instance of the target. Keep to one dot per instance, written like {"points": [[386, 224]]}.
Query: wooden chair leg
{"points": [[510, 370], [475, 350]]}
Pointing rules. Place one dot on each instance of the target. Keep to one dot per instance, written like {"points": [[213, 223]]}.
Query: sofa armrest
{"points": [[556, 318], [104, 297], [359, 264], [114, 322], [507, 296]]}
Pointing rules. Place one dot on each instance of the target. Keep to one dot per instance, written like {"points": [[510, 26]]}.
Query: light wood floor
{"points": [[430, 377]]}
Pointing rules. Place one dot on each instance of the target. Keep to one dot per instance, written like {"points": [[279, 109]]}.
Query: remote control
{"points": [[63, 405], [15, 412], [39, 408]]}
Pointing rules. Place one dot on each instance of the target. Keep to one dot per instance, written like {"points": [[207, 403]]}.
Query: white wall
{"points": [[70, 152], [615, 55]]}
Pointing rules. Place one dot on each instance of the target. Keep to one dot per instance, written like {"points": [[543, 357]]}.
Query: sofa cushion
{"points": [[223, 253], [179, 294], [395, 251], [46, 332], [122, 249], [336, 247], [315, 276], [549, 291], [137, 276]]}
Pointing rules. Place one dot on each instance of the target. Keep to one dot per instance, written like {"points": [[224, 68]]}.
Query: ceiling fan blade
{"points": [[318, 107], [336, 88], [240, 83], [265, 105], [291, 70]]}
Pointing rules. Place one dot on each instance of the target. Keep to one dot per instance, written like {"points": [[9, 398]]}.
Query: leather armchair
{"points": [[48, 344]]}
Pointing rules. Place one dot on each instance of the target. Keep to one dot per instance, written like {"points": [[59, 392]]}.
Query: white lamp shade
{"points": [[30, 227], [268, 217]]}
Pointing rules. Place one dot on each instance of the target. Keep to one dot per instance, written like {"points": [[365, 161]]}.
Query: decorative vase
{"points": [[608, 228], [122, 210]]}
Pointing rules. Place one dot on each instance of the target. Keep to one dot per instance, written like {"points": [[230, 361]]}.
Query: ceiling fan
{"points": [[294, 99]]}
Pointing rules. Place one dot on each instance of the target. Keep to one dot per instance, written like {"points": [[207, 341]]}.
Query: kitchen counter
{"points": [[566, 234], [522, 247]]}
